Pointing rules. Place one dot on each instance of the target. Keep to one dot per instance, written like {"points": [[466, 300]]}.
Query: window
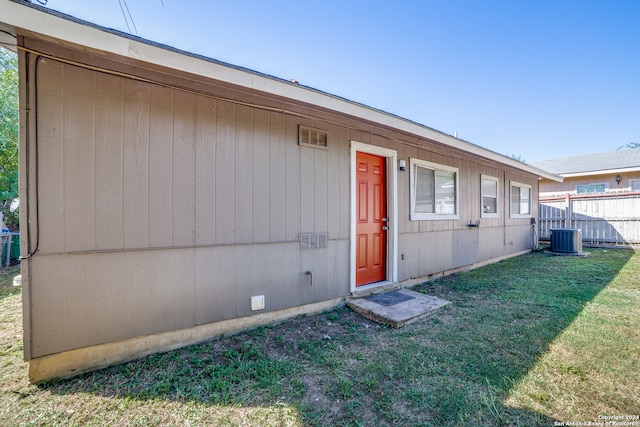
{"points": [[520, 200], [489, 196], [634, 184], [434, 191], [591, 188]]}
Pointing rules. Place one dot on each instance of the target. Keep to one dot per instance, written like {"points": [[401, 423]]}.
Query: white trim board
{"points": [[392, 210]]}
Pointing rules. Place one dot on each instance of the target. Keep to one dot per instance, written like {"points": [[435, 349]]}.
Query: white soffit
{"points": [[19, 17]]}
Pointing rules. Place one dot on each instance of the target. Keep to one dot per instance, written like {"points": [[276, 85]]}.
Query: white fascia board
{"points": [[601, 172], [21, 17]]}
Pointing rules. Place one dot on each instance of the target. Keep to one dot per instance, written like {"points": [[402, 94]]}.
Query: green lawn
{"points": [[533, 341]]}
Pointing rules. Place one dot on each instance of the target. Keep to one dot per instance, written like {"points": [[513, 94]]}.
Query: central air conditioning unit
{"points": [[566, 240]]}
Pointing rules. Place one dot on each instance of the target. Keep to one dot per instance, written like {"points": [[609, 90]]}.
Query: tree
{"points": [[8, 133], [629, 145], [516, 157]]}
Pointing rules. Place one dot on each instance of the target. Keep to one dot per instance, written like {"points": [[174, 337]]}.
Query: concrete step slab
{"points": [[397, 308]]}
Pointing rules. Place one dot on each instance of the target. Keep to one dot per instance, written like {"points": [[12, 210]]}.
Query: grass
{"points": [[530, 341]]}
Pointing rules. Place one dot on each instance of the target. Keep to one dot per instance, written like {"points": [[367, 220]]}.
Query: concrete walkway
{"points": [[396, 308]]}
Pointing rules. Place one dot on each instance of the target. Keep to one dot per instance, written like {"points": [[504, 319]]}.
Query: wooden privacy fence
{"points": [[603, 218]]}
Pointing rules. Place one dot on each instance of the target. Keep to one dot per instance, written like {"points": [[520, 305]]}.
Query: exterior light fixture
{"points": [[618, 179], [403, 165]]}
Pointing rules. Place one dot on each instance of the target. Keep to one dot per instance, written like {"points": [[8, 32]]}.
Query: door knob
{"points": [[385, 228]]}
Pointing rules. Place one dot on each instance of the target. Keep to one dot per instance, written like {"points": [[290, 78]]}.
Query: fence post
{"points": [[567, 211], [9, 239]]}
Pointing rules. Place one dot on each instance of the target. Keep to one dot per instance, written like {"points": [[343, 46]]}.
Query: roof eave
{"points": [[600, 172]]}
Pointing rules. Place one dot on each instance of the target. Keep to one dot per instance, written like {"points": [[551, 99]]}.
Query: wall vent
{"points": [[310, 137], [566, 240], [313, 240]]}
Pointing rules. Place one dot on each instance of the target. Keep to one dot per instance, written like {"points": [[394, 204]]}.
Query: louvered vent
{"points": [[313, 240], [312, 137]]}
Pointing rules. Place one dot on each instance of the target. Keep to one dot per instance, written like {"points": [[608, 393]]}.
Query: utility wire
{"points": [[126, 20]]}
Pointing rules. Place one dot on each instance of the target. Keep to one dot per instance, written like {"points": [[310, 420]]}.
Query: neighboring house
{"points": [[600, 195], [610, 172], [168, 198]]}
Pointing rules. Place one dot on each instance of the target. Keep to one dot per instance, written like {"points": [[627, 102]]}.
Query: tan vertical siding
{"points": [[50, 147], [261, 175], [108, 162], [207, 290], [403, 189], [277, 178], [225, 174], [136, 164], [292, 180], [260, 276], [227, 264], [163, 209], [183, 287], [244, 255], [160, 164], [278, 277], [183, 170], [48, 289], [243, 171], [139, 315], [113, 284], [307, 189], [78, 159], [344, 172], [205, 171], [334, 207]]}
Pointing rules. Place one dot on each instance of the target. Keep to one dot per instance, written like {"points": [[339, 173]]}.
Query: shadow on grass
{"points": [[453, 368]]}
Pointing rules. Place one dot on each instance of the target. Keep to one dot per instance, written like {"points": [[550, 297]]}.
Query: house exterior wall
{"points": [[569, 184], [167, 203]]}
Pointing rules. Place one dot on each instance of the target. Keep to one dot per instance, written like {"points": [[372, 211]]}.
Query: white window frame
{"points": [[420, 216], [632, 181], [606, 187], [484, 214], [520, 186]]}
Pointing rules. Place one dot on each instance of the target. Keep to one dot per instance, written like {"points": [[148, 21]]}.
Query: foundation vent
{"points": [[310, 137], [313, 240]]}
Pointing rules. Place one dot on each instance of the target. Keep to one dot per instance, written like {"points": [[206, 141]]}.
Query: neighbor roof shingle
{"points": [[621, 159]]}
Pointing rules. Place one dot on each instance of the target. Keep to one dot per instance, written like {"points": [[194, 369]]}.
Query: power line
{"points": [[128, 13]]}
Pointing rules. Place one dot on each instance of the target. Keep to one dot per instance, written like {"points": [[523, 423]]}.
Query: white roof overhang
{"points": [[601, 172]]}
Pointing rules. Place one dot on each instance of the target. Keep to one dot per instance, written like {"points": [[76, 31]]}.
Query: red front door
{"points": [[371, 219]]}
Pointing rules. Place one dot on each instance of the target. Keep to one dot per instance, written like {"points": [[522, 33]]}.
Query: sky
{"points": [[535, 79]]}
